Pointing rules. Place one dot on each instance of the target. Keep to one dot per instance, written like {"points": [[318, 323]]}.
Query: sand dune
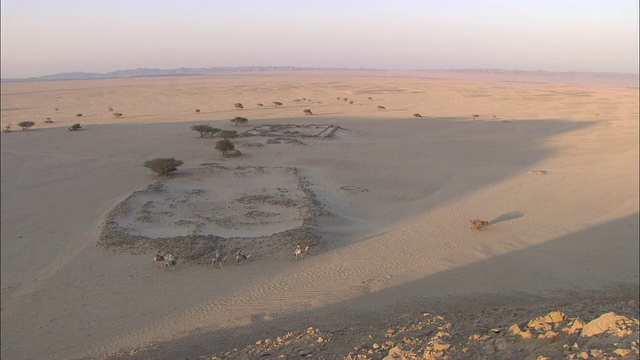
{"points": [[551, 163]]}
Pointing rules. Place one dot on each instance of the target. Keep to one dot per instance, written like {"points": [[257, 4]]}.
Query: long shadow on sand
{"points": [[515, 271]]}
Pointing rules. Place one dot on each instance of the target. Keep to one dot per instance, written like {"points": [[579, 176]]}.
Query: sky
{"points": [[43, 37]]}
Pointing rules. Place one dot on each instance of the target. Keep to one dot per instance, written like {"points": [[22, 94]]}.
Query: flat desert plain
{"points": [[382, 198]]}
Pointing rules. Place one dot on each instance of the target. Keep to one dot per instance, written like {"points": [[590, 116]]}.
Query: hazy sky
{"points": [[41, 37]]}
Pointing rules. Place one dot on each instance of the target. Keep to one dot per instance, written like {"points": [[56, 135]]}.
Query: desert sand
{"points": [[382, 198]]}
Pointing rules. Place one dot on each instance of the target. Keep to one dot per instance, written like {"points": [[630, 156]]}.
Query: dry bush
{"points": [[417, 115], [238, 106], [197, 110], [477, 223], [475, 116], [25, 125], [277, 103], [7, 128], [117, 115], [110, 108], [48, 121], [79, 115], [307, 112], [260, 104], [380, 107]]}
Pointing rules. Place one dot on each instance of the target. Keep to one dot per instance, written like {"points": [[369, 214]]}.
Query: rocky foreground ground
{"points": [[584, 327]]}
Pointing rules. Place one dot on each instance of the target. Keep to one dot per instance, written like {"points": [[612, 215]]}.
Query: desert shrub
{"points": [[345, 99], [25, 125], [307, 112], [370, 98], [110, 108], [75, 127], [228, 134], [48, 121], [163, 166], [79, 115], [260, 104], [118, 115], [239, 120], [277, 103], [338, 98], [417, 115], [56, 109], [380, 107], [225, 145], [7, 128], [197, 110], [239, 106], [297, 100], [475, 116], [205, 130], [350, 102]]}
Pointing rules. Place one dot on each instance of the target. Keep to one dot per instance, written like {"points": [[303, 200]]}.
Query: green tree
{"points": [[228, 134], [225, 145], [205, 130], [25, 125], [239, 120], [163, 166]]}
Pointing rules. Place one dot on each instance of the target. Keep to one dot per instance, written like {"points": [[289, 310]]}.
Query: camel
{"points": [[218, 259], [240, 258], [299, 252]]}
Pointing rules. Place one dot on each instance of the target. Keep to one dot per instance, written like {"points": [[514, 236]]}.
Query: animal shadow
{"points": [[506, 217]]}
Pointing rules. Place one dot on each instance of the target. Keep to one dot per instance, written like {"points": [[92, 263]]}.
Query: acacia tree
{"points": [[225, 145], [163, 166], [239, 120], [228, 134], [205, 130]]}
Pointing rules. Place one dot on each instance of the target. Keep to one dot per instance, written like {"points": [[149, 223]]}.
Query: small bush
{"points": [[307, 112], [48, 121], [345, 99], [163, 166], [197, 110], [350, 102], [417, 115], [380, 107], [7, 128], [475, 116], [228, 134], [225, 145], [239, 106], [75, 127], [297, 100], [110, 108], [205, 130], [25, 125], [277, 103], [260, 104], [239, 120], [118, 115], [79, 115]]}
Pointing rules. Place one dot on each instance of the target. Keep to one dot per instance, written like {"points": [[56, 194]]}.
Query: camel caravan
{"points": [[219, 260]]}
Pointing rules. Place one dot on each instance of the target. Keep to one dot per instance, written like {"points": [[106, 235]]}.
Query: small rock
{"points": [[320, 339], [622, 352], [577, 326], [602, 324], [514, 330], [583, 355]]}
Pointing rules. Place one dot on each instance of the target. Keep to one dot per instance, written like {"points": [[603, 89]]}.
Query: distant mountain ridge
{"points": [[146, 72]]}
